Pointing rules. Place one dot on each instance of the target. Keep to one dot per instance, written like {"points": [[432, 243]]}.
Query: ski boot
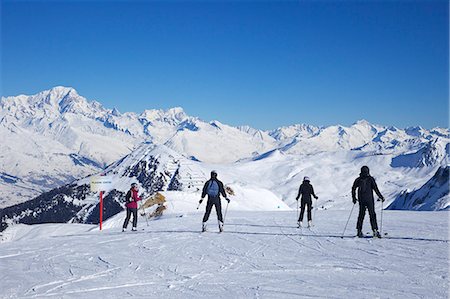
{"points": [[376, 234], [134, 229], [220, 226], [310, 223], [359, 234], [299, 224], [124, 229], [203, 227]]}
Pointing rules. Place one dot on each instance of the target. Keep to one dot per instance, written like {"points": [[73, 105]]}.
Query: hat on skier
{"points": [[306, 178], [213, 173], [134, 185], [365, 170]]}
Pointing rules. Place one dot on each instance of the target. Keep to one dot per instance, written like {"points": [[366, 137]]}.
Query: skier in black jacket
{"points": [[366, 185], [305, 190], [213, 188]]}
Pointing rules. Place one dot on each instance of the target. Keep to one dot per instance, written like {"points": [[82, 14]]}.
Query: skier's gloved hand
{"points": [[382, 198], [200, 201], [227, 199], [316, 197], [296, 199], [354, 200]]}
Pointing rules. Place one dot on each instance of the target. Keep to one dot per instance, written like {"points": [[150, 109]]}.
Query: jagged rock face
{"points": [[57, 205], [112, 204], [175, 183], [148, 176], [64, 204], [430, 154], [433, 195]]}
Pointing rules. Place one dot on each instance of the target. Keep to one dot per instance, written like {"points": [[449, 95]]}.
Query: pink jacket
{"points": [[136, 198]]}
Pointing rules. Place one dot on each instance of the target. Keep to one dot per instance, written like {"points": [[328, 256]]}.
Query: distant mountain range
{"points": [[56, 137]]}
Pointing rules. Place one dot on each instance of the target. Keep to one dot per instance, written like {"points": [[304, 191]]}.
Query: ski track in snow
{"points": [[259, 255]]}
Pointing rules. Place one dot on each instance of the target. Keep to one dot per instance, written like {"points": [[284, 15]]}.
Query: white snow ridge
{"points": [[51, 245]]}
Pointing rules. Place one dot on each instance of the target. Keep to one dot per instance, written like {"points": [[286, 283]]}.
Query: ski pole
{"points": [[144, 214], [315, 210], [146, 217], [381, 220], [226, 209], [347, 221]]}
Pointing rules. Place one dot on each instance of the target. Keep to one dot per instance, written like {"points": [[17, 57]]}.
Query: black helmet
{"points": [[134, 185], [213, 174], [365, 170]]}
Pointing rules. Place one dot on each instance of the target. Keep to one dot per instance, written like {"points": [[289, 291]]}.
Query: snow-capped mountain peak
{"points": [[172, 116], [57, 135], [54, 95], [50, 104]]}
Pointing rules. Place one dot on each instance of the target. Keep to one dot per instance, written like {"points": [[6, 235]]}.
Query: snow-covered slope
{"points": [[218, 143], [259, 255]]}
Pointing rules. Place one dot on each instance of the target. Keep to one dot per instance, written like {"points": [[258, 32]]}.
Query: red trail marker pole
{"points": [[101, 209], [101, 184]]}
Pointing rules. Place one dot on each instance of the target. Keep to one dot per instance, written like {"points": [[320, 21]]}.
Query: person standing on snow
{"points": [[305, 191], [132, 198], [213, 188], [366, 185]]}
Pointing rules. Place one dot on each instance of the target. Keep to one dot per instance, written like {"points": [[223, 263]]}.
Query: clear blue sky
{"points": [[264, 64]]}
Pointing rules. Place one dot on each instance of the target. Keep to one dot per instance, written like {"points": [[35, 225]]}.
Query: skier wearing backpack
{"points": [[131, 198], [366, 185], [305, 191], [213, 188]]}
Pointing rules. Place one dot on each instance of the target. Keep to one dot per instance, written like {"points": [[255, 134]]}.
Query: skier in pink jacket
{"points": [[132, 198]]}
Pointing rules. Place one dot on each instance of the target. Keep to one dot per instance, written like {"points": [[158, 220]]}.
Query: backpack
{"points": [[128, 197], [365, 185], [213, 189]]}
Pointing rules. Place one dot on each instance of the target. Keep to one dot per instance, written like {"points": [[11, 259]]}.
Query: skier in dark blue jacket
{"points": [[213, 188], [366, 185]]}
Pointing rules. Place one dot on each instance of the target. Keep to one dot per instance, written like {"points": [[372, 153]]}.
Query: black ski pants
{"points": [[213, 201], [127, 219], [305, 204], [370, 206]]}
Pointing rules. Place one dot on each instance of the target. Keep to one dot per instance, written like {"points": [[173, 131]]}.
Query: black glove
{"points": [[382, 198], [200, 201], [296, 199], [316, 197], [227, 199], [354, 200]]}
